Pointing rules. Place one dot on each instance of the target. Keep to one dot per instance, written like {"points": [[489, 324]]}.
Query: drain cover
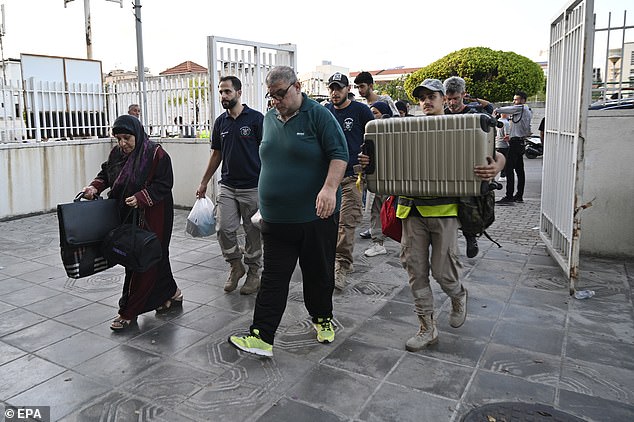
{"points": [[518, 412]]}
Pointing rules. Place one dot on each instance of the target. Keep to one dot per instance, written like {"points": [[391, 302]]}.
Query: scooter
{"points": [[533, 147]]}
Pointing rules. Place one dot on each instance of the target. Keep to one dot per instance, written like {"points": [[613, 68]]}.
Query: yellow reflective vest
{"points": [[435, 206]]}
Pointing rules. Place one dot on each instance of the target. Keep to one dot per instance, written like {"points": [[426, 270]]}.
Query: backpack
{"points": [[476, 214]]}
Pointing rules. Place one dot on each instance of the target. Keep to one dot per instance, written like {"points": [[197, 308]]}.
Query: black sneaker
{"points": [[472, 246], [507, 200], [518, 198]]}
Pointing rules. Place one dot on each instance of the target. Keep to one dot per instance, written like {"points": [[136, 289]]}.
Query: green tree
{"points": [[493, 75], [395, 88], [197, 94]]}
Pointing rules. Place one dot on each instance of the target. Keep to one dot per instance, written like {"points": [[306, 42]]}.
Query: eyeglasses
{"points": [[279, 95]]}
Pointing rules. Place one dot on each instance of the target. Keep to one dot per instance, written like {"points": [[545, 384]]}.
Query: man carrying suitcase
{"points": [[433, 222]]}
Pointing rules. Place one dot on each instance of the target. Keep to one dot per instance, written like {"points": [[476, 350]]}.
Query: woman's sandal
{"points": [[120, 324], [174, 302]]}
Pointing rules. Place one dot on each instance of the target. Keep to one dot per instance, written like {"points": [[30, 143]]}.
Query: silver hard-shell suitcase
{"points": [[428, 155]]}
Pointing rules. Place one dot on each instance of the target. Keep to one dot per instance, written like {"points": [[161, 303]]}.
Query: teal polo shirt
{"points": [[295, 157]]}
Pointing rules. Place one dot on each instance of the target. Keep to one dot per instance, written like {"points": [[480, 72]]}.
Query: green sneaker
{"points": [[252, 343], [325, 330]]}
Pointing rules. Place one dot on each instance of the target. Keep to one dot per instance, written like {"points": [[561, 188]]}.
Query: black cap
{"points": [[339, 79]]}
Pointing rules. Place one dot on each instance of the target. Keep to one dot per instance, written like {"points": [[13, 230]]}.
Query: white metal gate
{"points": [[248, 60], [568, 95]]}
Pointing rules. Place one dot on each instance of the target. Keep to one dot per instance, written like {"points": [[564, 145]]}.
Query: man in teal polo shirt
{"points": [[304, 156]]}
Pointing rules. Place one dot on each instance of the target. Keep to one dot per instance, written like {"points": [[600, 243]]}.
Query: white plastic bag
{"points": [[201, 220], [256, 219]]}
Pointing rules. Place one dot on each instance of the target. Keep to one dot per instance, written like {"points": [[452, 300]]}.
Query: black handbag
{"points": [[133, 247], [82, 227]]}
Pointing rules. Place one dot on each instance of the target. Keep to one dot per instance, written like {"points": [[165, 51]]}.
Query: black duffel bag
{"points": [[82, 227], [134, 248]]}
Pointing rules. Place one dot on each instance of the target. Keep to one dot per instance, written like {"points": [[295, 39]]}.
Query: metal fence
{"points": [[180, 106], [614, 55], [34, 110], [177, 105]]}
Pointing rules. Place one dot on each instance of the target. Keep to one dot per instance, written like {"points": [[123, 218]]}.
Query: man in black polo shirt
{"points": [[235, 141]]}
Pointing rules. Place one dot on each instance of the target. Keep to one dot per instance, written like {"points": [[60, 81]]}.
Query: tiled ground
{"points": [[525, 338]]}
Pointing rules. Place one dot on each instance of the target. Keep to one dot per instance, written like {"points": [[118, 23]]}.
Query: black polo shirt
{"points": [[239, 142]]}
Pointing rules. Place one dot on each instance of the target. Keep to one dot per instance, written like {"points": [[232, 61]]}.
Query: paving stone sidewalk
{"points": [[525, 339]]}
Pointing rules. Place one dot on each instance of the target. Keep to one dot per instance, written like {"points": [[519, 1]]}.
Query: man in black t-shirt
{"points": [[455, 88], [352, 116]]}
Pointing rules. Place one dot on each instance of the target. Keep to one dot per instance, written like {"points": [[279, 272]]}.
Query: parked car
{"points": [[624, 104]]}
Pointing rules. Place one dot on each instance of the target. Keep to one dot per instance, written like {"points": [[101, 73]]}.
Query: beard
{"points": [[339, 103], [229, 104]]}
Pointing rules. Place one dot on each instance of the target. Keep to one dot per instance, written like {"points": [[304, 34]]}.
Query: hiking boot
{"points": [[252, 343], [472, 246], [375, 249], [518, 198], [236, 273], [458, 312], [340, 278], [507, 200], [366, 234], [252, 283], [426, 335], [325, 331], [340, 274]]}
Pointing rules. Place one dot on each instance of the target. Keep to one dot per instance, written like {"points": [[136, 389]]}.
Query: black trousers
{"points": [[505, 153], [313, 244], [515, 164]]}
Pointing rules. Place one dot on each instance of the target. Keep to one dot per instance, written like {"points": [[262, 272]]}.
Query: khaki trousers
{"points": [[419, 233], [349, 218], [232, 207], [375, 219]]}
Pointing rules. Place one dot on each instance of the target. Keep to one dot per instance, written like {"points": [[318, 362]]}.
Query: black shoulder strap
{"points": [[489, 237], [521, 114]]}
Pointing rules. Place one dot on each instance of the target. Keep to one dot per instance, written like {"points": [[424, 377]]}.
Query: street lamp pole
{"points": [[89, 25], [140, 65], [88, 29]]}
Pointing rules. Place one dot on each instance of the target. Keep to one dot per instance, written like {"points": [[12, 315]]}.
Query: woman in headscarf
{"points": [[381, 110], [139, 174]]}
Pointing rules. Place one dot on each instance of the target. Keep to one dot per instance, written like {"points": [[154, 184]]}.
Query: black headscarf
{"points": [[383, 107], [130, 172]]}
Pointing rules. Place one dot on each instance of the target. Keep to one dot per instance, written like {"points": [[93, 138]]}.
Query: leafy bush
{"points": [[489, 74]]}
